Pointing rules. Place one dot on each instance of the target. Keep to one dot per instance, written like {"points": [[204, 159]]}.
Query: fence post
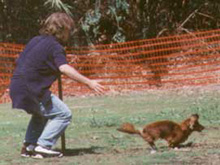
{"points": [[63, 140]]}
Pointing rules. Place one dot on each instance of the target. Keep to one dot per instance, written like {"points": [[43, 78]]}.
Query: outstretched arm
{"points": [[75, 75]]}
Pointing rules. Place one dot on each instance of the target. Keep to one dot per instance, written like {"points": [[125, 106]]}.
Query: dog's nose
{"points": [[202, 128]]}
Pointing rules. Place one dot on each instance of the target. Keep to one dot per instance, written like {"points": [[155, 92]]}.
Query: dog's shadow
{"points": [[181, 146], [96, 150], [82, 151], [189, 144]]}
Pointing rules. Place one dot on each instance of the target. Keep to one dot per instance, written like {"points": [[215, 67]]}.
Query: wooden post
{"points": [[63, 140]]}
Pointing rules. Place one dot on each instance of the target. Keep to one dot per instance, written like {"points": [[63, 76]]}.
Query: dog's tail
{"points": [[128, 128]]}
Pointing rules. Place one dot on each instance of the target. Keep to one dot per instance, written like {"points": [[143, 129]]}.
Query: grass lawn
{"points": [[92, 138]]}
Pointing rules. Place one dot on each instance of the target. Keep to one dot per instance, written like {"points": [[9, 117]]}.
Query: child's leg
{"points": [[35, 128], [59, 118]]}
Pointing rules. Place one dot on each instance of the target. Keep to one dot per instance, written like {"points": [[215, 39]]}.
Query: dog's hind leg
{"points": [[153, 147], [150, 141]]}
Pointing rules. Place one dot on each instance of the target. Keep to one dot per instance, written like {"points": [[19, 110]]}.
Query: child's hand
{"points": [[98, 88]]}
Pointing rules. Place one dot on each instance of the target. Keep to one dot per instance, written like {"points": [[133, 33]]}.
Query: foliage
{"points": [[58, 5], [117, 20]]}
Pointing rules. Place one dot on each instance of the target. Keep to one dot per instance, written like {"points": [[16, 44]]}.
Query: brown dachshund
{"points": [[172, 132]]}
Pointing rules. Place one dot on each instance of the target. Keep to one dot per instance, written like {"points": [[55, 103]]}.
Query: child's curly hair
{"points": [[59, 25]]}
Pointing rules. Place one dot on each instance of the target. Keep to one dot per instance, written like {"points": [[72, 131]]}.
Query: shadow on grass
{"points": [[82, 151]]}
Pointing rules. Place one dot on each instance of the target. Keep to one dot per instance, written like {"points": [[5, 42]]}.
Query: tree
{"points": [[118, 20]]}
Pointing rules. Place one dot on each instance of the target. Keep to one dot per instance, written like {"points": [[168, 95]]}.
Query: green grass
{"points": [[92, 137]]}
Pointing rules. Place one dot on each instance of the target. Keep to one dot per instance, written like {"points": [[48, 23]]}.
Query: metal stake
{"points": [[63, 140]]}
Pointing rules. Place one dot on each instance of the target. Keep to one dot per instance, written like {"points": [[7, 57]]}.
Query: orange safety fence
{"points": [[165, 63]]}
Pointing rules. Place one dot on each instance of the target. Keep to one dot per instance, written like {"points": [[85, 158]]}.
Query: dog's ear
{"points": [[195, 116], [193, 119]]}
